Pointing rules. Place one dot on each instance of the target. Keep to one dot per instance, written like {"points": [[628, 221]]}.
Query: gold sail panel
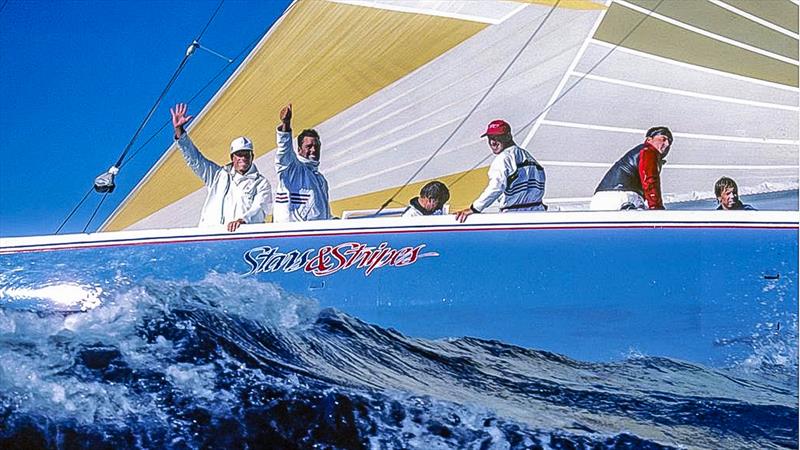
{"points": [[661, 38], [783, 13]]}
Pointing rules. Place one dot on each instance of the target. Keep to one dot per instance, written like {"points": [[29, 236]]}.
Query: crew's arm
{"points": [[200, 165], [285, 156], [498, 173], [651, 178]]}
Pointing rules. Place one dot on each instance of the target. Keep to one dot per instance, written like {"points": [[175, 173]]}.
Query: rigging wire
{"points": [[210, 19], [64, 222], [86, 227], [474, 108], [244, 50], [115, 168], [171, 81], [567, 91], [3, 6]]}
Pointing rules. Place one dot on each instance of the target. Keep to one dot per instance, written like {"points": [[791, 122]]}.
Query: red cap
{"points": [[497, 128]]}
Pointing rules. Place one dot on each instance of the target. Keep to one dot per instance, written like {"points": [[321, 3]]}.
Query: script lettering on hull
{"points": [[330, 259]]}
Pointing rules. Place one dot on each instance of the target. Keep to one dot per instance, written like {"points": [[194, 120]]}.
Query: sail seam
{"points": [[563, 82], [696, 67], [684, 93], [426, 11], [756, 19], [711, 137]]}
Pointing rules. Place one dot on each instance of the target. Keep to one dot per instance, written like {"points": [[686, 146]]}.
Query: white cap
{"points": [[241, 143]]}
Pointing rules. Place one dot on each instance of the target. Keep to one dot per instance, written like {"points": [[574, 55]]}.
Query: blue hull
{"points": [[681, 285], [563, 330]]}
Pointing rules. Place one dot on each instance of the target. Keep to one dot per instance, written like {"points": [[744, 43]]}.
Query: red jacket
{"points": [[639, 170], [650, 175]]}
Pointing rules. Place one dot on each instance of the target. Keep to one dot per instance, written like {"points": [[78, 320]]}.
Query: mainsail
{"points": [[387, 82]]}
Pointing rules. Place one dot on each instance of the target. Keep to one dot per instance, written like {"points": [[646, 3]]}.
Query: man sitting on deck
{"points": [[432, 198], [302, 192], [636, 177], [237, 192], [515, 177], [727, 193]]}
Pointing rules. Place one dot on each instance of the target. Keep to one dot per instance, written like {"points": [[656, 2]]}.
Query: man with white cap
{"points": [[302, 191], [237, 192], [515, 177], [634, 181]]}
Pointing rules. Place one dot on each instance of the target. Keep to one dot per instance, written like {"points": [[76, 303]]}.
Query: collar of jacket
{"points": [[510, 148], [738, 205], [415, 204], [307, 162], [661, 158], [252, 172]]}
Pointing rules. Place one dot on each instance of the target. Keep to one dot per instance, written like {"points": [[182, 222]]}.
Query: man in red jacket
{"points": [[634, 182]]}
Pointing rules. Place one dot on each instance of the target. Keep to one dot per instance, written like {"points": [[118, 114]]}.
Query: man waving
{"points": [[302, 192], [237, 192]]}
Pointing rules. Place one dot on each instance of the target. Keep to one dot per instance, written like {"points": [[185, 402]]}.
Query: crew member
{"points": [[431, 200], [302, 192], [237, 192], [727, 193], [634, 182], [515, 177]]}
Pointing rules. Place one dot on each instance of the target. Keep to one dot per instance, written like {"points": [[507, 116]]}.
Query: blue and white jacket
{"points": [[231, 195], [516, 179], [302, 191]]}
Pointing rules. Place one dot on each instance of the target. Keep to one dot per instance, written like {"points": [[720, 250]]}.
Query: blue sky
{"points": [[76, 80]]}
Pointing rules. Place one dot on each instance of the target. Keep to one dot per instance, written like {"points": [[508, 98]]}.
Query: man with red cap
{"points": [[515, 177], [634, 182]]}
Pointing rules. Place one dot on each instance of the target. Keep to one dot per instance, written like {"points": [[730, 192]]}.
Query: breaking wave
{"points": [[230, 363]]}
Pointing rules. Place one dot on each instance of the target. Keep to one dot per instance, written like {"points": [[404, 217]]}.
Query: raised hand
{"points": [[179, 118], [286, 118]]}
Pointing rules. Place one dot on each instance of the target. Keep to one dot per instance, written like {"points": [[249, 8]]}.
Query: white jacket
{"points": [[302, 191], [516, 179], [231, 195]]}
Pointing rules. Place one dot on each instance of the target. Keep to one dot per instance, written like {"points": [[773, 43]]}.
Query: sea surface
{"points": [[227, 362]]}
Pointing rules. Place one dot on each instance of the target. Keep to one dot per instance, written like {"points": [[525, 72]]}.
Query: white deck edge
{"points": [[392, 226]]}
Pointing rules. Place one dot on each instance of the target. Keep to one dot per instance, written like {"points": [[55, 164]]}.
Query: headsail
{"points": [[386, 81]]}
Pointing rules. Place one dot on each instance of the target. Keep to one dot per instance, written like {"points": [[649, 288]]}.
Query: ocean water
{"points": [[231, 362]]}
